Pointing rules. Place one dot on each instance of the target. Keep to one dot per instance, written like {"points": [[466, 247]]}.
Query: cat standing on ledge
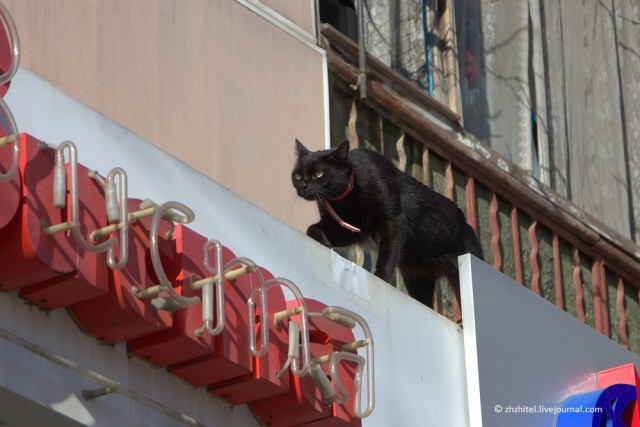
{"points": [[363, 197]]}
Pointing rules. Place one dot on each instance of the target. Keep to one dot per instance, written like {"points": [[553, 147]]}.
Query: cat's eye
{"points": [[318, 174], [298, 177]]}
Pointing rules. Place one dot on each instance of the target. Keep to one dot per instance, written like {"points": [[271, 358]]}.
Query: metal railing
{"points": [[527, 231]]}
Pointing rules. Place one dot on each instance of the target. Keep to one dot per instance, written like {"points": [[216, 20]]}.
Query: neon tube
{"points": [[341, 394], [12, 33], [368, 343], [304, 323], [118, 216], [12, 128], [207, 293], [59, 196], [11, 138], [165, 285]]}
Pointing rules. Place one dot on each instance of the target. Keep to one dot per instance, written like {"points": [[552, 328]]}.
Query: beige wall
{"points": [[300, 12], [211, 82]]}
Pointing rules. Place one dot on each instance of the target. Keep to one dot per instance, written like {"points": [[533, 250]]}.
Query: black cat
{"points": [[363, 197]]}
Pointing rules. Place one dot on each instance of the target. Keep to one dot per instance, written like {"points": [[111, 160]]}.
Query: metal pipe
{"points": [[355, 345], [50, 230], [94, 394], [281, 315], [151, 291], [362, 59], [9, 139], [142, 213], [428, 55], [341, 320], [148, 207], [96, 234], [98, 378], [450, 59], [197, 285]]}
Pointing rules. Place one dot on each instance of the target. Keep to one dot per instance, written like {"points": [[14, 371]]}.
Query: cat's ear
{"points": [[342, 152], [301, 149]]}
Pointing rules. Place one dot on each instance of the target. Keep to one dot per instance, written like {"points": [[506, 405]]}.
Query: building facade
{"points": [[526, 128]]}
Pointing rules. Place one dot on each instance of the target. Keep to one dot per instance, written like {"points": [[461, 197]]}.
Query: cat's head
{"points": [[321, 174]]}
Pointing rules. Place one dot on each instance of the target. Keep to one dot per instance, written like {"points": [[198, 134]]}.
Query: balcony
{"points": [[526, 229]]}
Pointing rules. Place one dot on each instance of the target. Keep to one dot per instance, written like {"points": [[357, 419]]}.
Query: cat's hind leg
{"points": [[421, 285]]}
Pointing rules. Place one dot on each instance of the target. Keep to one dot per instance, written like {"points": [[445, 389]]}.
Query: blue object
{"points": [[600, 408]]}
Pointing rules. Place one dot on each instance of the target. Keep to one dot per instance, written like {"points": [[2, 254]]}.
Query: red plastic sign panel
{"points": [[304, 403], [262, 382], [121, 315], [89, 276], [232, 357], [180, 342]]}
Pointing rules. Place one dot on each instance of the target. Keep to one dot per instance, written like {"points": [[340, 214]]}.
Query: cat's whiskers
{"points": [[322, 196], [293, 198]]}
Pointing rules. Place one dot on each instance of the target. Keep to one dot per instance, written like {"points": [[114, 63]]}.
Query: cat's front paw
{"points": [[316, 233]]}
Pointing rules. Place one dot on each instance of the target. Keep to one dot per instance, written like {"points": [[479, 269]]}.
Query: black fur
{"points": [[416, 229]]}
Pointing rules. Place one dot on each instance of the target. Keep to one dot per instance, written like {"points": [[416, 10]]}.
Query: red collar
{"points": [[346, 192], [333, 213], [337, 218]]}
